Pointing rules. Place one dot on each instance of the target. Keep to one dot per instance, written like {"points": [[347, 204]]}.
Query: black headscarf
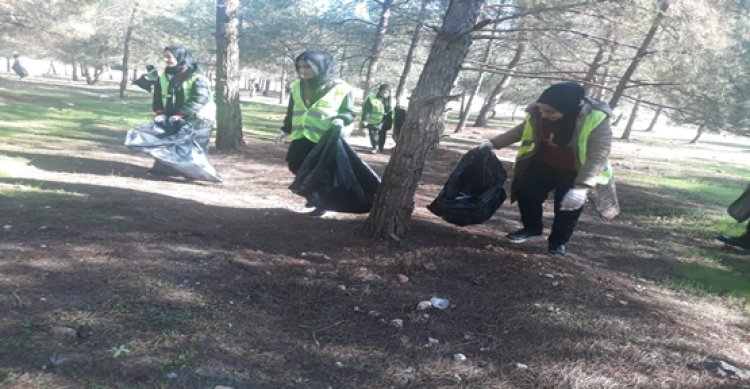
{"points": [[184, 60], [384, 87], [321, 63], [566, 98]]}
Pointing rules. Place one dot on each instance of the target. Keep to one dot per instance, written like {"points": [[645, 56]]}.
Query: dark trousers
{"points": [[298, 151], [539, 179], [377, 136]]}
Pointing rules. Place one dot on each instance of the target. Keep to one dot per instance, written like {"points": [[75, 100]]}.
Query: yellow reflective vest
{"points": [[311, 122], [593, 119]]}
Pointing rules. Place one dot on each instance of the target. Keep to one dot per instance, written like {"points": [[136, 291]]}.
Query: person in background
{"points": [[182, 95], [375, 108], [18, 68], [565, 142], [740, 211], [319, 102]]}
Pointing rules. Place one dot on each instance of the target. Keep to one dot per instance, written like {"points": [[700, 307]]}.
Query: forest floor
{"points": [[111, 278]]}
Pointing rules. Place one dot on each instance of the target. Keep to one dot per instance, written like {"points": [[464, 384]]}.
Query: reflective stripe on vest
{"points": [[311, 122], [378, 110], [207, 112], [593, 119]]}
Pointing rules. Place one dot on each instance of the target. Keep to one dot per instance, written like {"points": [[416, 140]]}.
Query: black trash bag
{"points": [[333, 177], [474, 190], [144, 83]]}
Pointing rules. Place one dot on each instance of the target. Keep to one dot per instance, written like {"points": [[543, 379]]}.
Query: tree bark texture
{"points": [[394, 200], [640, 54], [126, 52], [228, 111], [410, 54], [377, 45], [494, 97]]}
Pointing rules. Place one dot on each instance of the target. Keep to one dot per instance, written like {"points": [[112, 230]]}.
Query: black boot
{"points": [[742, 241]]}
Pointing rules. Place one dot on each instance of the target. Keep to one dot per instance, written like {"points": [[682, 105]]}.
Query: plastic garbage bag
{"points": [[333, 177], [474, 190], [177, 148], [20, 70], [144, 83]]}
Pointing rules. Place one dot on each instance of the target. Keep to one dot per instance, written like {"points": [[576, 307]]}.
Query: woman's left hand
{"points": [[573, 200]]}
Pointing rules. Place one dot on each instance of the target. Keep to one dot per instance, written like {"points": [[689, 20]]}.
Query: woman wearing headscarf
{"points": [[182, 95], [565, 142], [319, 101]]}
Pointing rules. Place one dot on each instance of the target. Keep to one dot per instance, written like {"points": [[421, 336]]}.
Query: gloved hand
{"points": [[160, 119], [486, 145], [573, 200], [176, 121], [337, 123], [280, 138]]}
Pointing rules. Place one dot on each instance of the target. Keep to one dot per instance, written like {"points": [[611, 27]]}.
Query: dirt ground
{"points": [[111, 278]]}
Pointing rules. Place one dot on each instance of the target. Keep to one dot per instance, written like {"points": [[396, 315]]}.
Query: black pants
{"points": [[298, 151], [539, 179], [377, 136]]}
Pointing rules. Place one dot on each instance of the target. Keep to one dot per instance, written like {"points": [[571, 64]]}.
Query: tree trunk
{"points": [[698, 134], [126, 52], [617, 120], [394, 200], [629, 126], [75, 72], [282, 92], [228, 112], [494, 97], [642, 51], [412, 48], [654, 120], [464, 114], [8, 65], [135, 74], [85, 73], [51, 69], [372, 66]]}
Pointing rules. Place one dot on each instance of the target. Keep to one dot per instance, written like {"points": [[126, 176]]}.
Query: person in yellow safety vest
{"points": [[565, 142], [318, 102], [375, 108], [182, 95]]}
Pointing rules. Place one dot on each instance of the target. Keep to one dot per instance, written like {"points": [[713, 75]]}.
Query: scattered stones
{"points": [[171, 375], [555, 283], [396, 323], [7, 227], [431, 340], [339, 364], [458, 357], [424, 305], [623, 302], [402, 278], [222, 387], [521, 366]]}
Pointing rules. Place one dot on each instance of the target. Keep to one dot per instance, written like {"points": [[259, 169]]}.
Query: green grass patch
{"points": [[729, 279]]}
